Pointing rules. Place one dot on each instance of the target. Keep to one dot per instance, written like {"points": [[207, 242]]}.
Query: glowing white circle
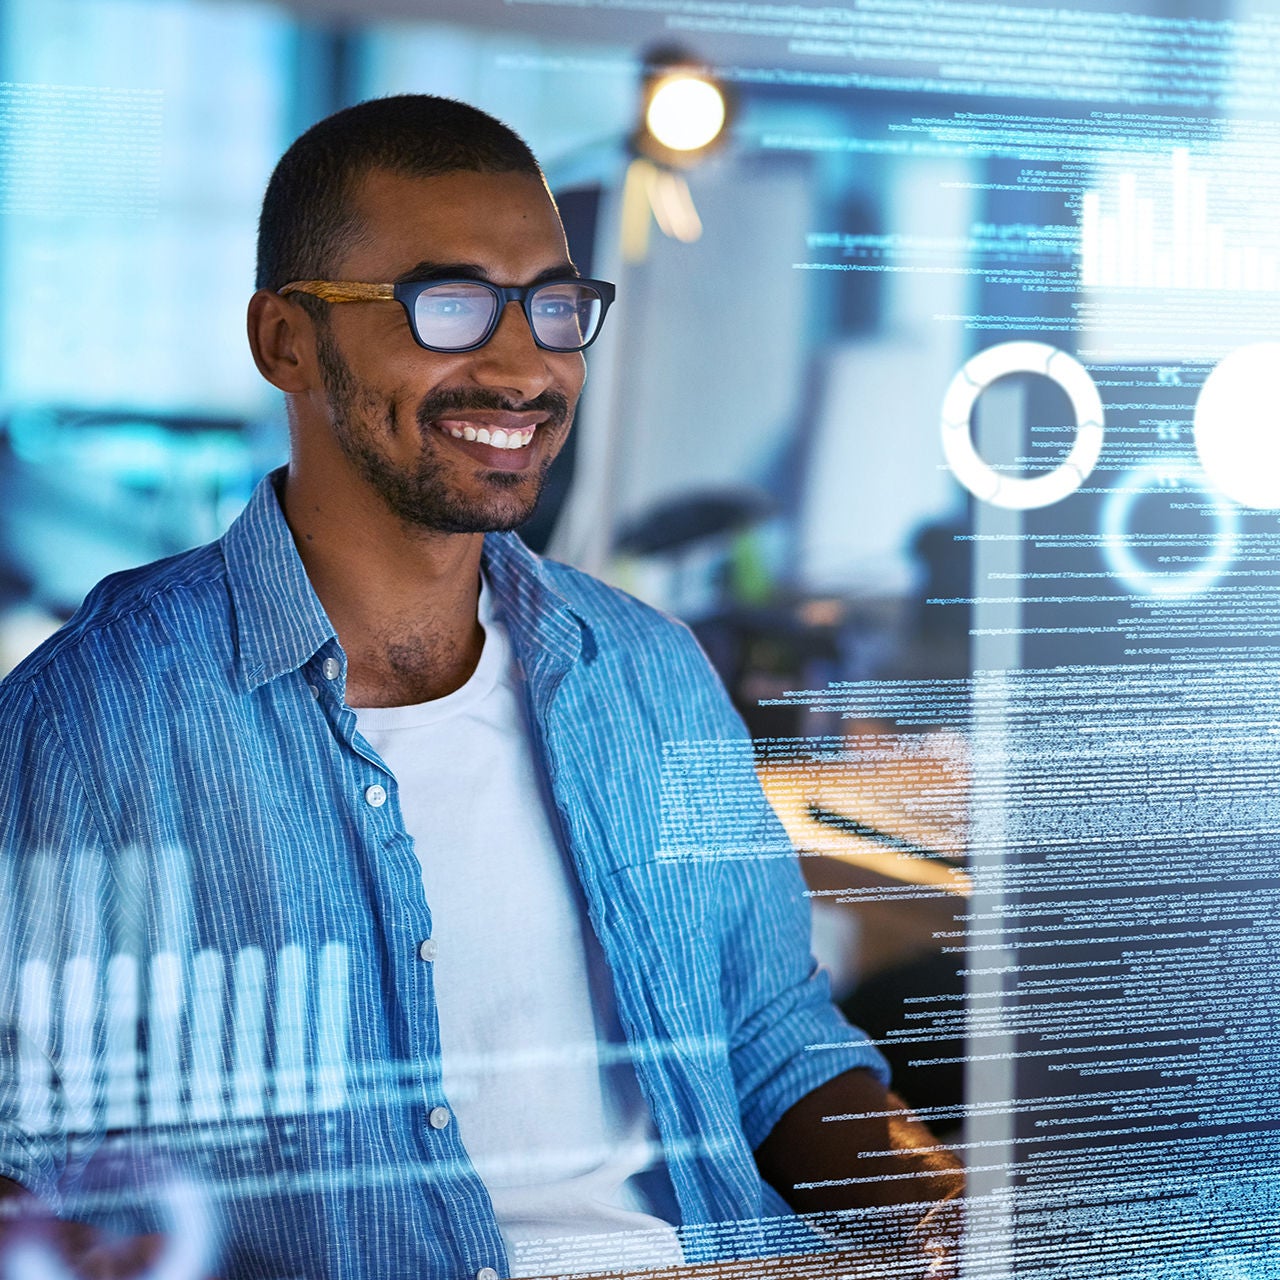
{"points": [[685, 113], [1237, 425], [1019, 493], [1119, 555]]}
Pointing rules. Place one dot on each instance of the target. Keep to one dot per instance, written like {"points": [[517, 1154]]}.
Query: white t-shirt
{"points": [[558, 1130]]}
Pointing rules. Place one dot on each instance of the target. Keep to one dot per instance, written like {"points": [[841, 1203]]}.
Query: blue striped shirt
{"points": [[219, 1011]]}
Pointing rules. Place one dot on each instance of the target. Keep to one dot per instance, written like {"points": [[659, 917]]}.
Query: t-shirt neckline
{"points": [[482, 681]]}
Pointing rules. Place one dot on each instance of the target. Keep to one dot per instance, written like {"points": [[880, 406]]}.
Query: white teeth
{"points": [[499, 438]]}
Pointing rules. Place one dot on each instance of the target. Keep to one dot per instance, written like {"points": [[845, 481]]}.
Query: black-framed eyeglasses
{"points": [[461, 315]]}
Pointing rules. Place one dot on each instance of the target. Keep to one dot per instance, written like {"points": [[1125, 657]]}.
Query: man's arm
{"points": [[797, 1063], [913, 1191]]}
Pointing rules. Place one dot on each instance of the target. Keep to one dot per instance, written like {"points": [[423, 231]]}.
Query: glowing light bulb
{"points": [[685, 113]]}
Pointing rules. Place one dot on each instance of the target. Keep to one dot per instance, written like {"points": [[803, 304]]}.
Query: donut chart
{"points": [[1020, 493]]}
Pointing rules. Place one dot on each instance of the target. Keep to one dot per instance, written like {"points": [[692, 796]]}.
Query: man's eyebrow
{"points": [[428, 270]]}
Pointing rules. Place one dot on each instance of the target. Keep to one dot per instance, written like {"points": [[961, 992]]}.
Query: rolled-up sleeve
{"points": [[785, 1036]]}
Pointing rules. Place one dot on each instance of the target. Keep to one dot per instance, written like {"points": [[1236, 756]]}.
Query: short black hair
{"points": [[306, 211]]}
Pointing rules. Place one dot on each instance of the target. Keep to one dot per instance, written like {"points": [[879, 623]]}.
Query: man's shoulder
{"points": [[615, 616], [592, 599], [637, 652], [128, 612], [593, 595]]}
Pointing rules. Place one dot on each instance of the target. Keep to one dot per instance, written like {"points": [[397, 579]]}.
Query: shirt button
{"points": [[428, 949], [375, 796], [315, 690], [486, 1273], [331, 667], [439, 1117]]}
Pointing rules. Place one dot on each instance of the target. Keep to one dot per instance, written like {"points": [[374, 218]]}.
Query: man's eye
{"points": [[452, 304], [554, 308]]}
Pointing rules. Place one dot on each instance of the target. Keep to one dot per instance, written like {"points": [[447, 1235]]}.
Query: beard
{"points": [[422, 495]]}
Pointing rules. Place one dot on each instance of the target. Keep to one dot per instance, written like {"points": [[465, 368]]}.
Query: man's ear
{"points": [[282, 339]]}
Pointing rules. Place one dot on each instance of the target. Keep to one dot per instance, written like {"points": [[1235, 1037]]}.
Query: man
{"points": [[345, 833]]}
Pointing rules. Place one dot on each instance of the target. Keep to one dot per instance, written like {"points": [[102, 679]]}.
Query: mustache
{"points": [[436, 404]]}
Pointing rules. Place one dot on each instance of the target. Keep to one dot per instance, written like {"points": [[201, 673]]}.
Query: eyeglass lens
{"points": [[458, 315]]}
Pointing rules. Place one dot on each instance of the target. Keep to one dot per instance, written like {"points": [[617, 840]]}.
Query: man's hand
{"points": [[851, 1144], [83, 1251], [938, 1236]]}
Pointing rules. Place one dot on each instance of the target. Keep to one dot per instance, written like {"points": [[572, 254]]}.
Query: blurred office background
{"points": [[771, 431], [758, 449]]}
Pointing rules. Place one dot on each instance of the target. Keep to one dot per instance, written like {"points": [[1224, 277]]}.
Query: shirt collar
{"points": [[542, 624], [281, 624], [279, 620]]}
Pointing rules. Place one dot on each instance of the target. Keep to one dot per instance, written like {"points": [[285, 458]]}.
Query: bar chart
{"points": [[1155, 231], [149, 1042]]}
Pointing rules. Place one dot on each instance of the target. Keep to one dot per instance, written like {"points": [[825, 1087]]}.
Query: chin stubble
{"points": [[421, 496]]}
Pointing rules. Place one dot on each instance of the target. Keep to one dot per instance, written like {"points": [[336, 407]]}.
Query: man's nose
{"points": [[511, 359]]}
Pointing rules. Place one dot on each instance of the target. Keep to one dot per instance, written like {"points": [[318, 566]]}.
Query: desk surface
{"points": [[891, 808]]}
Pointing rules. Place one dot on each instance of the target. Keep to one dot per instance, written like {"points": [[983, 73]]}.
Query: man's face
{"points": [[396, 409]]}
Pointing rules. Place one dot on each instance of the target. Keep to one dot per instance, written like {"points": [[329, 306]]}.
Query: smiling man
{"points": [[420, 424], [345, 930]]}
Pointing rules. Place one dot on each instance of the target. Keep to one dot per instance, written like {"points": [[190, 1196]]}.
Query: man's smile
{"points": [[498, 440], [500, 429], [498, 437]]}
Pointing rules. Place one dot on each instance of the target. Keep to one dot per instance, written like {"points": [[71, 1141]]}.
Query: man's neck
{"points": [[403, 601]]}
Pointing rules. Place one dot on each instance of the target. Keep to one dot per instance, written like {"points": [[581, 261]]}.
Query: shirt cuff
{"points": [[830, 1047]]}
